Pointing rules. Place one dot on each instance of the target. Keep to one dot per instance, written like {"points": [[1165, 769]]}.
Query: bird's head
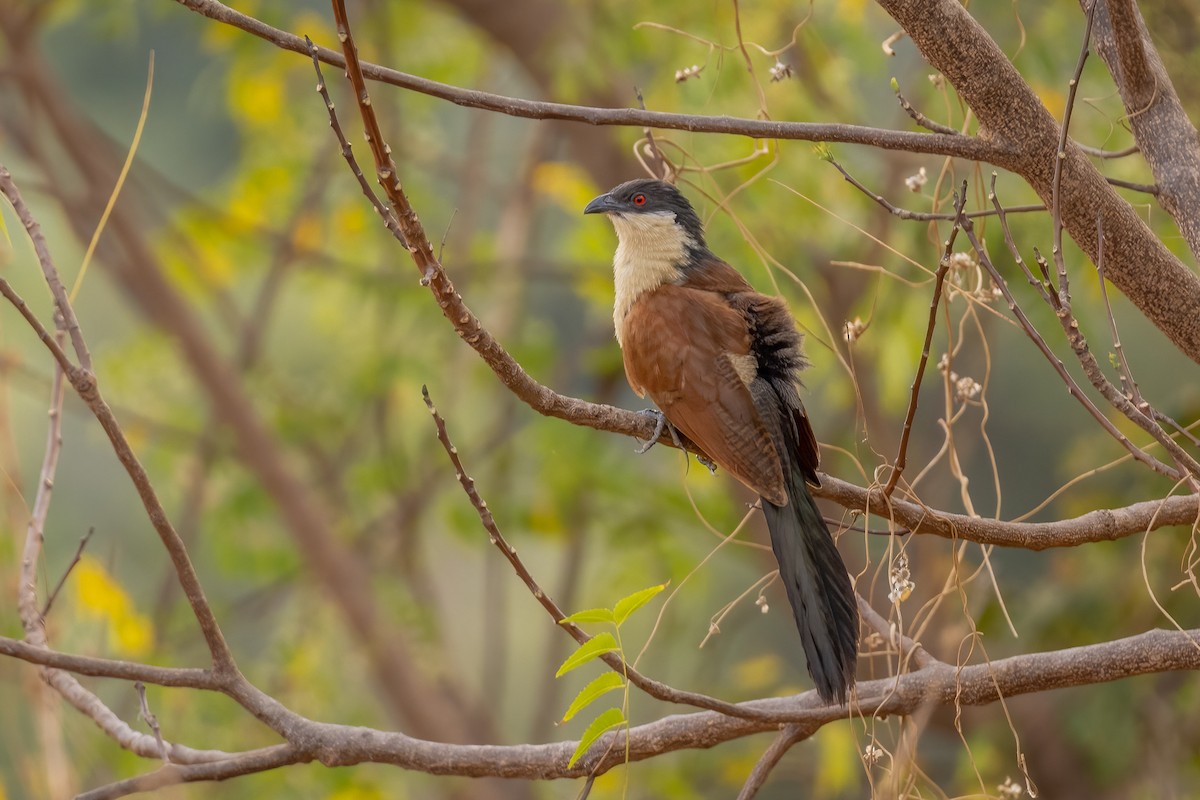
{"points": [[649, 213]]}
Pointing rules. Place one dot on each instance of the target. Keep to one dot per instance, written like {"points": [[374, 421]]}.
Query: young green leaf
{"points": [[588, 694], [627, 605], [595, 646], [589, 615], [600, 725]]}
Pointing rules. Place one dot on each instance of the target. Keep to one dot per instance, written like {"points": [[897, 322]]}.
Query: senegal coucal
{"points": [[722, 363]]}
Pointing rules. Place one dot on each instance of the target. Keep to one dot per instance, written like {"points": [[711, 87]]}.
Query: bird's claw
{"points": [[660, 424], [707, 462]]}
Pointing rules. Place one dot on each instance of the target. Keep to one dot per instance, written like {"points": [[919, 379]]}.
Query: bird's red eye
{"points": [[639, 199]]}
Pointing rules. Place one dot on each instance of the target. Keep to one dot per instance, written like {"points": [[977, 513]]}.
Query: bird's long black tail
{"points": [[818, 589]]}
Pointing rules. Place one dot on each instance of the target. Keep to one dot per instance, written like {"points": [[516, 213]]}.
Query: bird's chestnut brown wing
{"points": [[680, 346]]}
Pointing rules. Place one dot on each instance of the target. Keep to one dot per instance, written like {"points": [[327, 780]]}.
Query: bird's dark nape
{"points": [[818, 589]]}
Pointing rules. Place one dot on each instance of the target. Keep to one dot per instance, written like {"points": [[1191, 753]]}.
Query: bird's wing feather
{"points": [[681, 347], [777, 348]]}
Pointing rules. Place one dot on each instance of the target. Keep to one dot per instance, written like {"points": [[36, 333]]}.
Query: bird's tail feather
{"points": [[818, 589]]}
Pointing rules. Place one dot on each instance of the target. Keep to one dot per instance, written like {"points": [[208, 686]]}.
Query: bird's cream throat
{"points": [[650, 250]]}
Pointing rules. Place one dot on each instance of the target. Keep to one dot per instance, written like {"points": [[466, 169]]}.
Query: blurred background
{"points": [[263, 342]]}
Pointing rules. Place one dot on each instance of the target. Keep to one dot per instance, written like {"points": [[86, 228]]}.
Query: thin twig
{"points": [[1131, 387], [960, 200], [66, 572], [62, 360], [1146, 188], [659, 166], [651, 687], [389, 219], [61, 303], [918, 117], [1060, 300], [151, 720], [923, 216], [1061, 153], [27, 608], [1096, 152], [185, 677]]}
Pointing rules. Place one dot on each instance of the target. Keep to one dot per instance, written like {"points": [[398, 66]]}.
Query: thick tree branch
{"points": [[1009, 111], [1165, 135]]}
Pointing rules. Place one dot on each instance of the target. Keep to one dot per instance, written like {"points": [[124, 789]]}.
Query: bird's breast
{"points": [[650, 250]]}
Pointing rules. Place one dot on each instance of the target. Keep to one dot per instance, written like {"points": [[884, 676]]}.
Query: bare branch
{"points": [[1165, 135], [980, 684], [1079, 345], [1102, 525], [248, 763], [67, 572], [190, 678], [941, 144], [1096, 152], [918, 117], [61, 304], [151, 720], [655, 689], [787, 738], [960, 200], [1010, 112], [923, 216], [389, 219]]}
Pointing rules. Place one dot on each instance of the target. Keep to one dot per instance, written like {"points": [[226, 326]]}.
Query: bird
{"points": [[721, 362]]}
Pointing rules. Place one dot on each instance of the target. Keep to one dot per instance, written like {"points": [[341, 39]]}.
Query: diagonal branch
{"points": [[1165, 135], [960, 200], [656, 689], [1103, 525], [1009, 111], [62, 304]]}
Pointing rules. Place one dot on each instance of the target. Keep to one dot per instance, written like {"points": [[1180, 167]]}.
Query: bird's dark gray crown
{"points": [[660, 197]]}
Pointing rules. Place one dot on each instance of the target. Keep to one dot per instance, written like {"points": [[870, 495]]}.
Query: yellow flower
{"points": [[99, 597]]}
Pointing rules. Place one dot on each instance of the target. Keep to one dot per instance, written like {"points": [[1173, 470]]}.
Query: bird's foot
{"points": [[660, 424]]}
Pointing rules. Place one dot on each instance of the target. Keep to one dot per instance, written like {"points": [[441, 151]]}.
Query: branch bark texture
{"points": [[1012, 115], [1165, 136]]}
